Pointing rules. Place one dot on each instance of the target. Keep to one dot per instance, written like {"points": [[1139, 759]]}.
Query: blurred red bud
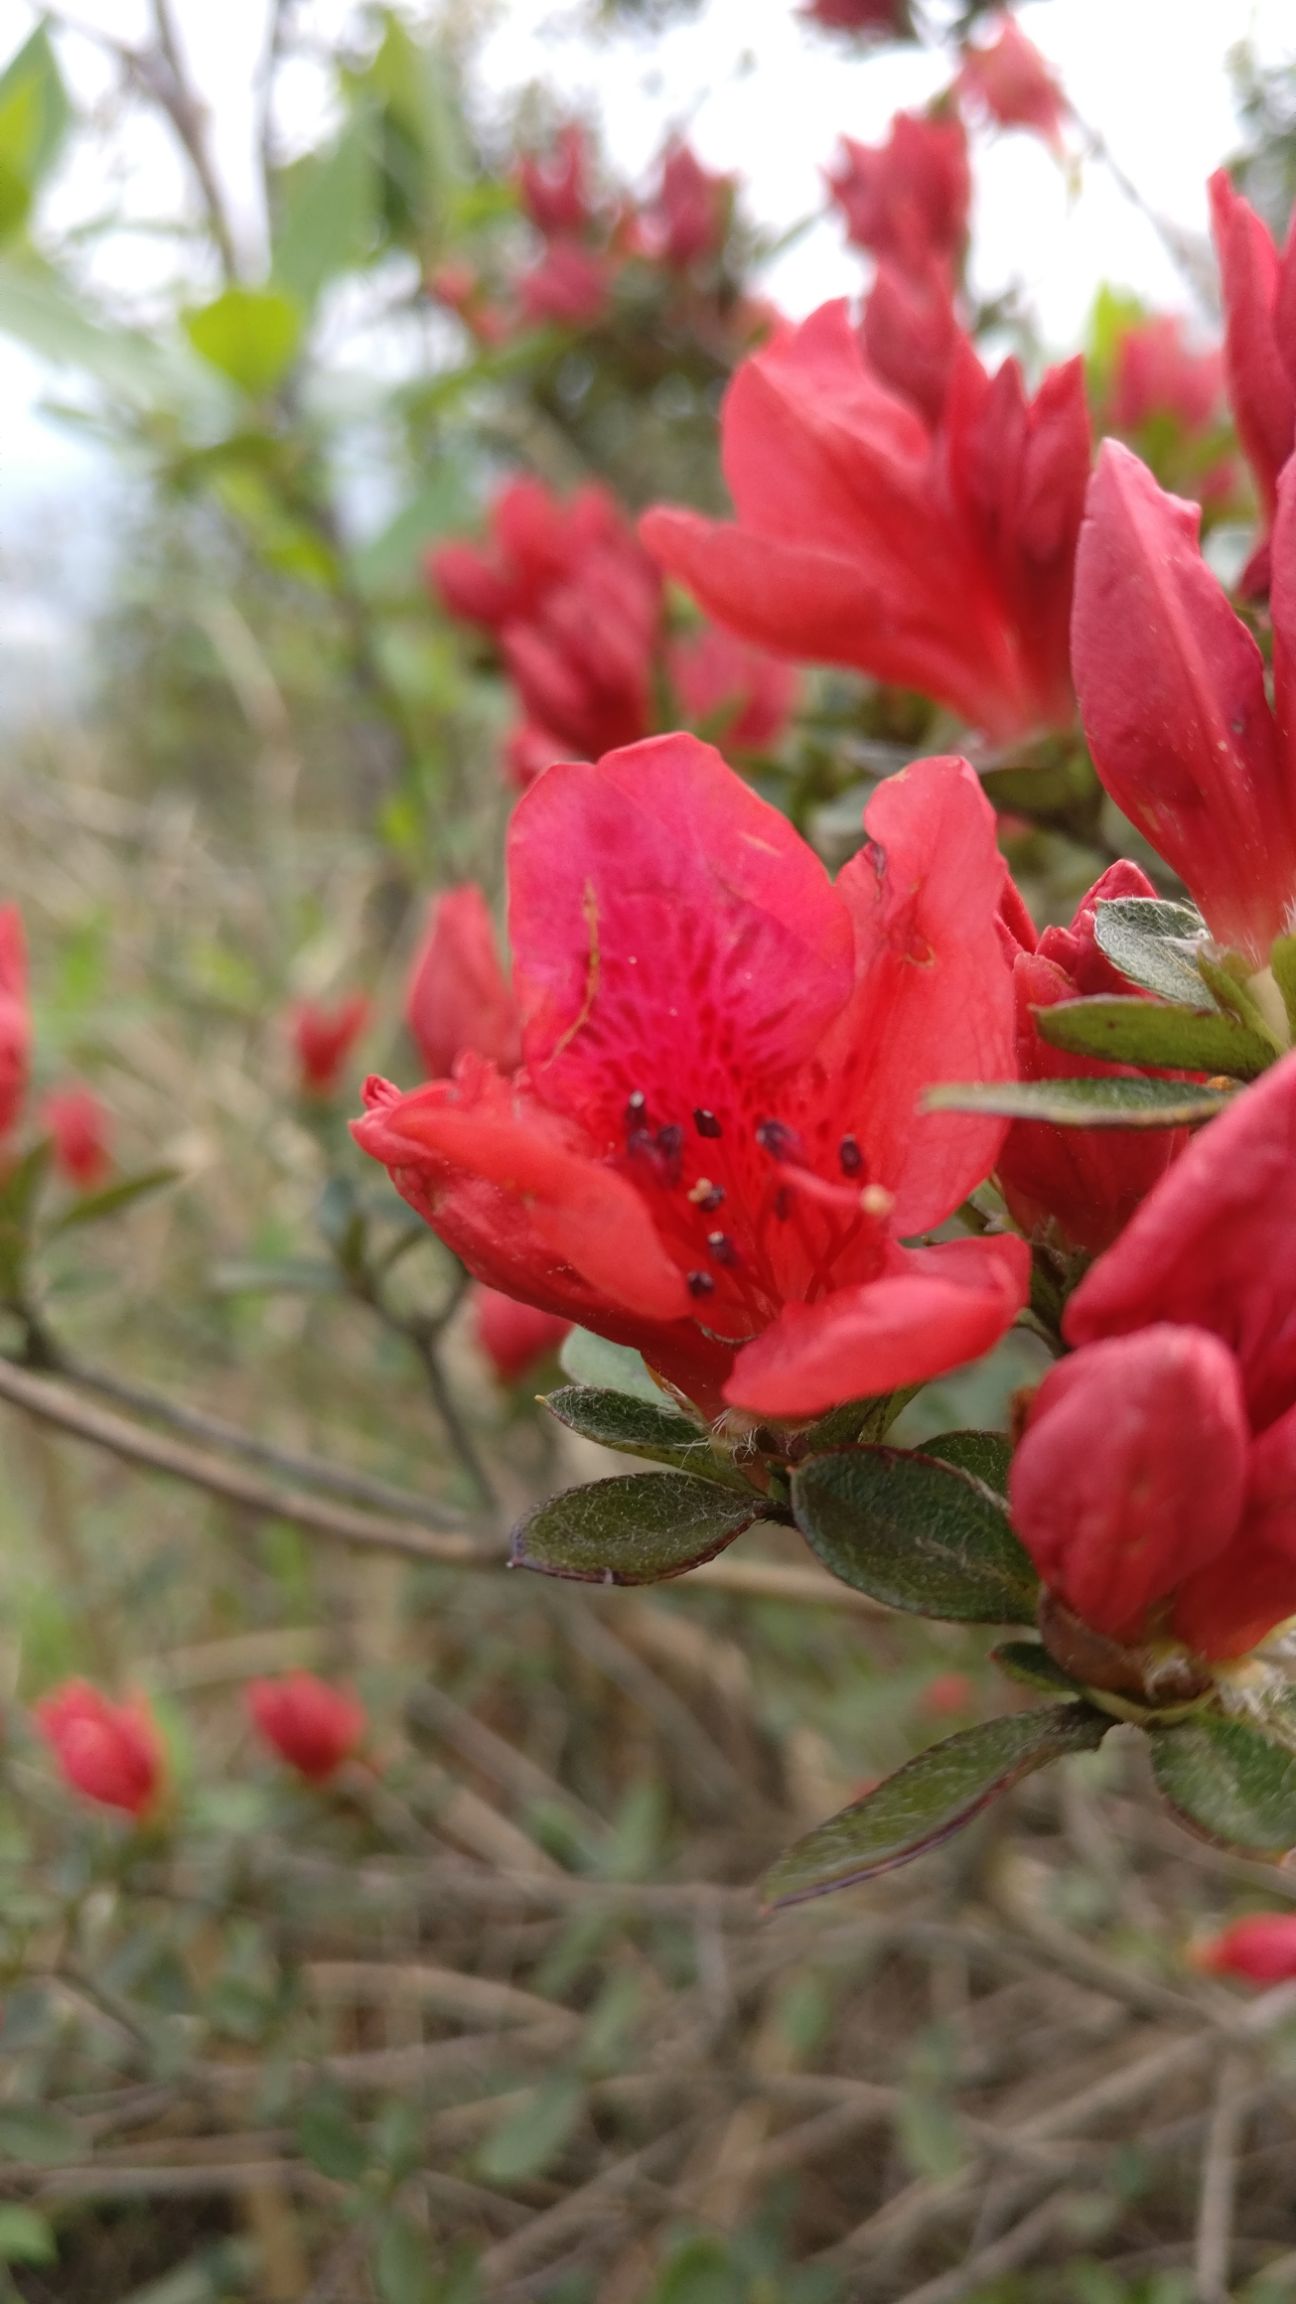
{"points": [[323, 1037], [15, 1017], [459, 996], [514, 1337], [1261, 1948], [310, 1725], [109, 1753], [80, 1131]]}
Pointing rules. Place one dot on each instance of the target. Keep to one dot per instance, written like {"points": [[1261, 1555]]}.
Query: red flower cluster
{"points": [[1008, 78], [1182, 1524], [574, 605], [941, 560], [713, 1147], [907, 201]]}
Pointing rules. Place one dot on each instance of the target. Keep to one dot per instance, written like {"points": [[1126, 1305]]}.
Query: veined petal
{"points": [[932, 1310]]}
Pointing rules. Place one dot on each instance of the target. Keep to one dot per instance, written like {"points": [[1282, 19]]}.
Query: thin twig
{"points": [[1218, 2180]]}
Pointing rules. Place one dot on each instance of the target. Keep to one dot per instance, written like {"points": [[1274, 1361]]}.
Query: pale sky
{"points": [[760, 94]]}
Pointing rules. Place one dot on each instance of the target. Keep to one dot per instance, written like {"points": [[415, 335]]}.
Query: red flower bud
{"points": [[555, 189], [907, 200], [1259, 286], [310, 1725], [459, 996], [514, 1337], [1261, 1949], [80, 1131], [323, 1038], [110, 1753]]}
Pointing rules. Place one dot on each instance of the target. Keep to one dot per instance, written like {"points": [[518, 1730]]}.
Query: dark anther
{"points": [[701, 1284], [638, 1143], [713, 1199], [705, 1123], [670, 1141], [783, 1203], [850, 1156], [636, 1106], [721, 1247], [781, 1142]]}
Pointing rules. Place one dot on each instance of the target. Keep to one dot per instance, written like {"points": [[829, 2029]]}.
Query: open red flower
{"points": [[81, 1133], [309, 1724], [110, 1753], [15, 1018], [323, 1036], [713, 1149], [908, 199], [459, 997], [1259, 286], [1156, 1484], [1088, 1181], [1009, 77], [1172, 696], [940, 561]]}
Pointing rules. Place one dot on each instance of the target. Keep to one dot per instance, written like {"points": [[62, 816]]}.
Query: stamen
{"points": [[706, 1122], [636, 1106], [670, 1141], [875, 1200], [722, 1248], [850, 1156], [701, 1284], [776, 1138], [706, 1195]]}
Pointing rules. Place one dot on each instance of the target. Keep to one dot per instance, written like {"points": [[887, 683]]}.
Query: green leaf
{"points": [[915, 1533], [20, 1194], [1029, 1663], [38, 311], [533, 2135], [39, 2134], [1148, 1032], [1097, 1103], [853, 1421], [639, 1428], [25, 2237], [110, 1202], [1228, 1783], [328, 2137], [250, 334], [929, 1799], [636, 1530], [1282, 960], [402, 2264], [1154, 944], [34, 118], [987, 1455], [605, 1367], [327, 212], [1228, 976]]}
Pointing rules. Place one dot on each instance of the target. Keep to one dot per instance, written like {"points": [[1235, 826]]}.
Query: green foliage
{"points": [[932, 1796], [1228, 1782], [915, 1533], [35, 115], [1090, 1103], [250, 334], [639, 1428], [635, 1530], [1146, 1032], [1154, 943]]}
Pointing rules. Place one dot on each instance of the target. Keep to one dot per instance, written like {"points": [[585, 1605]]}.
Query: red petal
{"points": [[935, 1308], [1172, 695], [1215, 1245], [1261, 389]]}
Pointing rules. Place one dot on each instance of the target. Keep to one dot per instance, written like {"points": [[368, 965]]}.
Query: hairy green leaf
{"points": [[1097, 1103], [1150, 1032], [1153, 943], [636, 1530], [915, 1533], [1228, 1783], [639, 1428]]}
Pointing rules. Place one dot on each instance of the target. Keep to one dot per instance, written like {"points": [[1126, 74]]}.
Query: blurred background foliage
{"points": [[492, 2016]]}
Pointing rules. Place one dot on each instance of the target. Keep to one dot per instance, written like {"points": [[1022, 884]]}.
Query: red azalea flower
{"points": [[571, 285], [110, 1753], [1261, 1949], [555, 190], [736, 694], [459, 997], [15, 1018], [907, 200], [942, 563], [1259, 286], [1010, 79], [1088, 1181], [879, 17], [81, 1132], [575, 605], [688, 217], [1172, 696], [713, 1148], [310, 1725], [514, 1337], [1157, 373], [1156, 1483], [911, 335], [323, 1037]]}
